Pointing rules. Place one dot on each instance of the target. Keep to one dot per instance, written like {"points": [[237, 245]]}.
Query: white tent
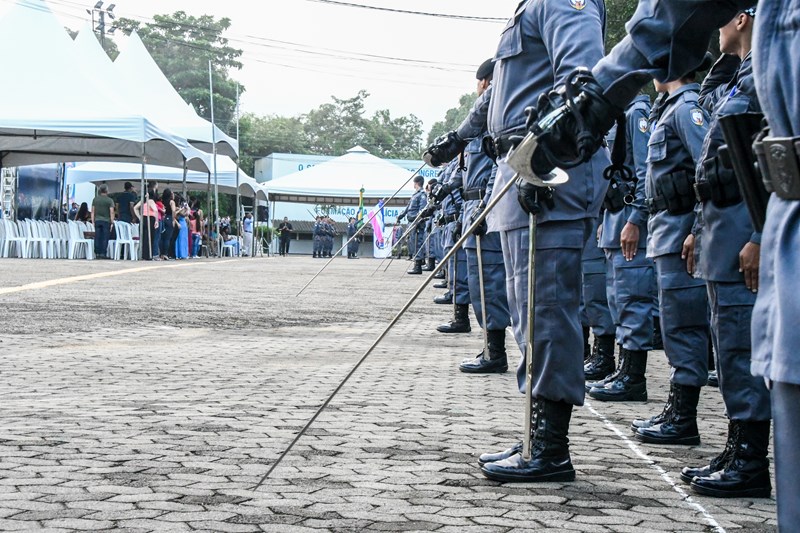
{"points": [[50, 112], [146, 83], [339, 181], [115, 174]]}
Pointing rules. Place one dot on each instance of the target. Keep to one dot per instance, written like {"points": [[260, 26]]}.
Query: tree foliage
{"points": [[453, 117], [263, 135], [182, 45]]}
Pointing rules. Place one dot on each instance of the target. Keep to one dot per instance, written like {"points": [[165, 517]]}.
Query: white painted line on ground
{"points": [[655, 466], [98, 275]]}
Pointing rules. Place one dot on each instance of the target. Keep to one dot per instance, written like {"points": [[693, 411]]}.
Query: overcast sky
{"points": [[279, 79]]}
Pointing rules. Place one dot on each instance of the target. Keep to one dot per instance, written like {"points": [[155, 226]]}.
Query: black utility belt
{"points": [[446, 219], [782, 172], [659, 203], [474, 194], [505, 143]]}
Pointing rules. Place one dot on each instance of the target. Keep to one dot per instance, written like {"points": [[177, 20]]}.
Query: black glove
{"points": [[440, 192], [570, 122], [457, 231], [444, 149], [532, 198], [427, 212], [441, 221], [480, 229], [400, 217]]}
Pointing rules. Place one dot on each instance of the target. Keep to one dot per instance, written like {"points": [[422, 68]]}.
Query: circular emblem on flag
{"points": [[697, 117], [578, 4], [643, 125]]}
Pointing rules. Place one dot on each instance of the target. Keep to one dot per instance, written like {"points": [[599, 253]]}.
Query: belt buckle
{"points": [[784, 170]]}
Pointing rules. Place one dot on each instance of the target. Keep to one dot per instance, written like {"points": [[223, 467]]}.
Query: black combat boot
{"points": [[439, 275], [630, 385], [660, 417], [658, 340], [550, 460], [601, 361], [430, 265], [587, 349], [589, 385], [500, 456], [495, 362], [416, 269], [680, 427], [746, 472], [718, 462], [460, 322], [441, 285], [713, 379], [446, 298]]}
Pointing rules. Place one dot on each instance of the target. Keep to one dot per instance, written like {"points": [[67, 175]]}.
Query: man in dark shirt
{"points": [[285, 231], [125, 203], [102, 218]]}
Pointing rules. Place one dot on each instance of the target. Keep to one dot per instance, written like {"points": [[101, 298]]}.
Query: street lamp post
{"points": [[99, 20]]}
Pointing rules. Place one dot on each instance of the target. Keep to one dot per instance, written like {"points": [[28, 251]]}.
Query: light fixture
{"points": [[98, 5]]}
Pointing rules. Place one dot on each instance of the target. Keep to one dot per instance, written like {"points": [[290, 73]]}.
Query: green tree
{"points": [[182, 45], [453, 117], [263, 135]]}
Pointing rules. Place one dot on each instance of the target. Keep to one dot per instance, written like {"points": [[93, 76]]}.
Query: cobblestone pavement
{"points": [[155, 399]]}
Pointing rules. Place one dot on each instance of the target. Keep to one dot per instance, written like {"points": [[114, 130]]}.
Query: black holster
{"points": [[779, 157], [674, 193], [618, 195], [739, 132], [718, 185]]}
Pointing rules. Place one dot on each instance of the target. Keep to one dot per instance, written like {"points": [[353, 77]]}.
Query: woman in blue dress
{"points": [[182, 242]]}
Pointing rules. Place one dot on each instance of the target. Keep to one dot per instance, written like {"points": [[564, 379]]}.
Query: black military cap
{"points": [[485, 70]]}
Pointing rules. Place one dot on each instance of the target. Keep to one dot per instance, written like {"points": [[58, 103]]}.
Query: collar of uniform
{"points": [[685, 88]]}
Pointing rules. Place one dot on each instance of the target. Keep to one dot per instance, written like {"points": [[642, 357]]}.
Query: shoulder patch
{"points": [[578, 4], [642, 125], [697, 117]]}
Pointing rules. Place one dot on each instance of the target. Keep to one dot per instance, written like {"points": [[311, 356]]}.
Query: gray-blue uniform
{"points": [[317, 235], [631, 294], [673, 153], [352, 246], [595, 312], [451, 210], [476, 179], [330, 231], [415, 205], [726, 230], [775, 336], [543, 42]]}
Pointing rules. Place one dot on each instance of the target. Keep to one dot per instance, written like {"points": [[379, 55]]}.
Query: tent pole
{"points": [[238, 159], [145, 198], [214, 146], [185, 170], [209, 214]]}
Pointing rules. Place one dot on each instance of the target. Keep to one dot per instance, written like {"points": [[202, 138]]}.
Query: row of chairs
{"points": [[57, 240]]}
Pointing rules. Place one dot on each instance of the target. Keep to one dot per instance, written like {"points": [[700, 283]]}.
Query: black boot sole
{"points": [[758, 492], [448, 329], [693, 440], [597, 376], [483, 370], [629, 397], [550, 477]]}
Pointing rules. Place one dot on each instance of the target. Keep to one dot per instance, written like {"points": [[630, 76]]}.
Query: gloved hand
{"points": [[427, 212], [444, 149], [570, 122], [533, 199], [441, 221], [480, 229], [457, 229], [440, 192]]}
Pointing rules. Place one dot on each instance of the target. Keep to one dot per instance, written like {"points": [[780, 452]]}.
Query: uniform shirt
{"points": [[317, 232], [415, 205], [542, 43], [725, 230], [665, 41], [451, 205], [479, 170], [675, 144], [637, 136], [475, 122]]}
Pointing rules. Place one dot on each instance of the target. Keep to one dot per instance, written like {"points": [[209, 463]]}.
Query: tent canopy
{"points": [[147, 84], [339, 181], [115, 174], [52, 112]]}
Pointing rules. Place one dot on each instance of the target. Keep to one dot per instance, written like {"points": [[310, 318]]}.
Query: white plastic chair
{"points": [[13, 240], [48, 238], [78, 243], [125, 239]]}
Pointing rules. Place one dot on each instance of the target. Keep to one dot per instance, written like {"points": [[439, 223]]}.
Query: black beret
{"points": [[485, 70]]}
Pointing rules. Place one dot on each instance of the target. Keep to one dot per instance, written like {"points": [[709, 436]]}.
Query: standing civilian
{"points": [[102, 217]]}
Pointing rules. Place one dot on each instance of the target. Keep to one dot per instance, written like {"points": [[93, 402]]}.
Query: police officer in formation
{"points": [[595, 314], [317, 233], [352, 245], [631, 278], [659, 46], [416, 204], [430, 226]]}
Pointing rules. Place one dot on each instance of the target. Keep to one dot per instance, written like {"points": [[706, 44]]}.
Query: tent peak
{"points": [[357, 150]]}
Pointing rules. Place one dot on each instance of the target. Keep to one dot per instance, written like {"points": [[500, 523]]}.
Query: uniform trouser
{"points": [[558, 341], [415, 241], [498, 316], [458, 275], [746, 397], [785, 399], [595, 311], [317, 244], [683, 302], [632, 298], [284, 245]]}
